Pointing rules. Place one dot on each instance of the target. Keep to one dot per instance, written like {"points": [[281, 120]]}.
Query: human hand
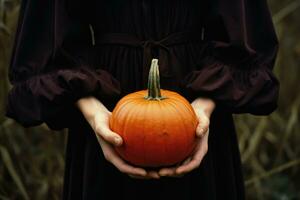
{"points": [[98, 116], [203, 109]]}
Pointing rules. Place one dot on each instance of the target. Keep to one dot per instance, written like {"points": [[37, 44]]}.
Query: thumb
{"points": [[203, 125], [108, 135]]}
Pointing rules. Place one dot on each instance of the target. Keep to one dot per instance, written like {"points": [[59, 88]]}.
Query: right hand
{"points": [[98, 116]]}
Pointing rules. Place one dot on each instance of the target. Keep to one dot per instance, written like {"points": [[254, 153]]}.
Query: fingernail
{"points": [[118, 141], [200, 132]]}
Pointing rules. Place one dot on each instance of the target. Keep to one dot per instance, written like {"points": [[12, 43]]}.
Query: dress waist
{"points": [[149, 47]]}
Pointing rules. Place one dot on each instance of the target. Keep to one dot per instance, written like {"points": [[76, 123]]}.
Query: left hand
{"points": [[203, 109]]}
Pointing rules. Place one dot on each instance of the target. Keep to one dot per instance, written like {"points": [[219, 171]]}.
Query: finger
{"points": [[109, 135], [150, 175], [167, 171], [172, 171], [188, 167], [153, 174], [186, 161], [203, 125], [111, 156], [194, 163], [126, 168], [173, 174]]}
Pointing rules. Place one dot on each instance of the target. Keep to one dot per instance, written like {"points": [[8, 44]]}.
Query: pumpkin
{"points": [[157, 126]]}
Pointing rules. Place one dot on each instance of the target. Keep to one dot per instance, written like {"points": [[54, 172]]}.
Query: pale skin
{"points": [[97, 115]]}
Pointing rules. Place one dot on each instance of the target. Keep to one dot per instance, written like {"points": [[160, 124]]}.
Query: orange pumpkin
{"points": [[157, 126]]}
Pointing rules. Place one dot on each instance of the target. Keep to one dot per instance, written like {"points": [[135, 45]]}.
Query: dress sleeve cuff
{"points": [[237, 89], [51, 97]]}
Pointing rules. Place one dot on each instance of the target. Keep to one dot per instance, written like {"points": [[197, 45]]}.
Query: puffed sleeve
{"points": [[51, 67], [239, 51]]}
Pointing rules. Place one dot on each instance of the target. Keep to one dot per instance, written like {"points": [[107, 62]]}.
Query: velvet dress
{"points": [[68, 49]]}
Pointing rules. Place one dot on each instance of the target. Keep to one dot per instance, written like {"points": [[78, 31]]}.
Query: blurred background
{"points": [[32, 160]]}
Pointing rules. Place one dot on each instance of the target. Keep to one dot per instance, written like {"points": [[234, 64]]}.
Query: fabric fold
{"points": [[50, 97], [239, 52], [245, 86], [52, 66]]}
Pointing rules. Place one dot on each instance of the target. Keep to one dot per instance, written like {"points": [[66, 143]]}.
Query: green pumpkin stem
{"points": [[153, 82]]}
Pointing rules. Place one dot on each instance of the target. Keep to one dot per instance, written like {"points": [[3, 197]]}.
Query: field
{"points": [[32, 160]]}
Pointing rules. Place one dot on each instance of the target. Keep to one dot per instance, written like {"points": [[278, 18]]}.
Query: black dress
{"points": [[68, 49]]}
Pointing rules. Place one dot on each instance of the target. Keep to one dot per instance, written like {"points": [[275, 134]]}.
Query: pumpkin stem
{"points": [[153, 82]]}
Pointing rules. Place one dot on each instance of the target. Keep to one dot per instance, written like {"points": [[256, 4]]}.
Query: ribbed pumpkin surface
{"points": [[155, 132]]}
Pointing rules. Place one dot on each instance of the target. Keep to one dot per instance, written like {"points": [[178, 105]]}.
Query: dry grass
{"points": [[32, 160]]}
